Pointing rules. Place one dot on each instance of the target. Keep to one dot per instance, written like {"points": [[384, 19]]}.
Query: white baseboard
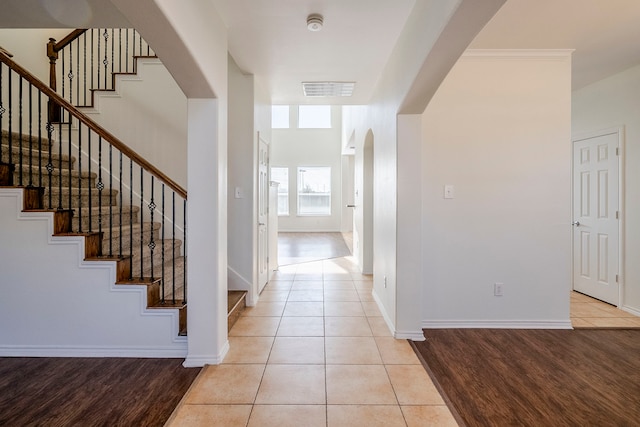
{"points": [[198, 361], [179, 351], [399, 335], [631, 310], [409, 335], [497, 324]]}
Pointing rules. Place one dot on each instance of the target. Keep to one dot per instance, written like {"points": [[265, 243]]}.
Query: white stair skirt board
{"points": [[235, 282], [58, 304], [497, 324]]}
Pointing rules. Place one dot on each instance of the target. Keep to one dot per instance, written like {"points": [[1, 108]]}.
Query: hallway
{"points": [[315, 351]]}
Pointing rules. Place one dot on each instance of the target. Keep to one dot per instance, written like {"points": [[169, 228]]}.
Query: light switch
{"points": [[239, 193], [449, 192]]}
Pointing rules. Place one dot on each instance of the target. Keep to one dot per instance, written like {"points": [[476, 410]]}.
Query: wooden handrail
{"points": [[58, 46], [106, 135]]}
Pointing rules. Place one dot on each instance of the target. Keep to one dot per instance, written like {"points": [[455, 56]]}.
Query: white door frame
{"points": [[619, 130]]}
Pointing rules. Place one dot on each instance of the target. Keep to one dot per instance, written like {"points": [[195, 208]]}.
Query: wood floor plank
{"points": [[537, 377], [91, 391]]}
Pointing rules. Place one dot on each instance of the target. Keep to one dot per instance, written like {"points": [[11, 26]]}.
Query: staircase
{"points": [[108, 229], [139, 237]]}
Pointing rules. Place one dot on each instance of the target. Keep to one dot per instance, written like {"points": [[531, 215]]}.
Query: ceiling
{"points": [[269, 38], [604, 33]]}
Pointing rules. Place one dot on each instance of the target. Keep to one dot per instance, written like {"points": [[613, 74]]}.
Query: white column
{"points": [[409, 235], [206, 233]]}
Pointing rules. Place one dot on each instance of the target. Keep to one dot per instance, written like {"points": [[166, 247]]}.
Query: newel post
{"points": [[52, 54]]}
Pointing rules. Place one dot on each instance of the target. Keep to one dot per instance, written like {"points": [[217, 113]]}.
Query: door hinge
{"points": [[617, 278], [617, 151], [617, 214]]}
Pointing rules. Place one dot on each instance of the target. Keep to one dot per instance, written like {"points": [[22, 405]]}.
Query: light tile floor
{"points": [[589, 313], [315, 351]]}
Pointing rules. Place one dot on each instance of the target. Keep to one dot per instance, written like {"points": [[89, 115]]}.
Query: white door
{"points": [[595, 216], [263, 214]]}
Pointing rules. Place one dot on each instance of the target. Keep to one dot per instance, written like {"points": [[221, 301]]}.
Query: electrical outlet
{"points": [[497, 289]]}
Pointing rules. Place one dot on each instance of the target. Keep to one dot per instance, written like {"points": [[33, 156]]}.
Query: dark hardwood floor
{"points": [[91, 391], [537, 377]]}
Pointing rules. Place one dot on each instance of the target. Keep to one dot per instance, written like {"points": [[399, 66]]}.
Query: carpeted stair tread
{"points": [[57, 160], [27, 141]]}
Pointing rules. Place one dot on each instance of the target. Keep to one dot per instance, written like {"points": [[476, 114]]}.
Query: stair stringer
{"points": [[76, 310]]}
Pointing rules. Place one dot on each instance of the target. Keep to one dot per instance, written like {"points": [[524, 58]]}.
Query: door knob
{"points": [[576, 223]]}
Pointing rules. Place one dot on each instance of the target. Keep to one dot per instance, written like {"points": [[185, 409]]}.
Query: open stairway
{"points": [[113, 232]]}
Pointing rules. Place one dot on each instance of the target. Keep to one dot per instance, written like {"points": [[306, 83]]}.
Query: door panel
{"points": [[263, 212], [595, 207]]}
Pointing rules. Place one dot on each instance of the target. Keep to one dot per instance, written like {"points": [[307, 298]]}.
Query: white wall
{"points": [[152, 122], [77, 310], [498, 129], [613, 102], [29, 48], [241, 162], [423, 29], [295, 147]]}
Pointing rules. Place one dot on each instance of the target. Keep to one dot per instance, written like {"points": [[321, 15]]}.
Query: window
{"points": [[314, 117], [280, 116], [314, 191], [281, 176]]}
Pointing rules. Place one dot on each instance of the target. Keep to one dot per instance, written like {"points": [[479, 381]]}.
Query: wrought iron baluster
{"points": [[92, 62], [84, 73], [30, 135], [50, 161], [120, 207], [68, 162], [98, 65], [110, 201], [131, 216], [79, 176], [59, 166], [162, 282], [120, 49], [113, 49], [39, 142], [105, 61], [62, 81], [152, 208], [173, 244], [141, 218], [126, 52], [100, 185], [70, 76], [77, 71], [20, 139], [10, 103], [90, 214]]}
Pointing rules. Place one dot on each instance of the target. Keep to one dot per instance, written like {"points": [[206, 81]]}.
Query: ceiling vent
{"points": [[318, 89]]}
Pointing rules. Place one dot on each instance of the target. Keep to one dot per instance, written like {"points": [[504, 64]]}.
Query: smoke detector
{"points": [[314, 22]]}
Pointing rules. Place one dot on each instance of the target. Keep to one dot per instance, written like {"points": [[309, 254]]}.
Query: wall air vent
{"points": [[319, 89]]}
